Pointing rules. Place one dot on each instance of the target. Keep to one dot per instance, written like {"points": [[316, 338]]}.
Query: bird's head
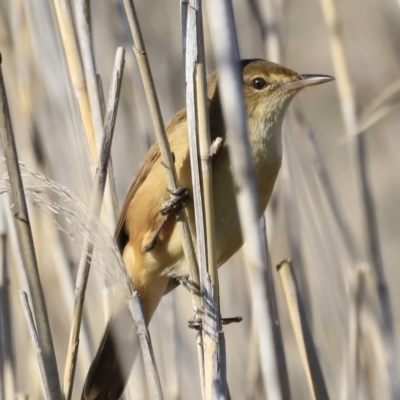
{"points": [[269, 88]]}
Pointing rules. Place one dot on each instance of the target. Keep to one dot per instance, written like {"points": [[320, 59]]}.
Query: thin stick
{"points": [[276, 326], [172, 178], [270, 28], [230, 83], [359, 155], [27, 246], [36, 342], [357, 294], [304, 340], [94, 211], [7, 360], [149, 360]]}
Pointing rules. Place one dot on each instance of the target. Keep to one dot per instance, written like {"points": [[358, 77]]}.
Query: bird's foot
{"points": [[197, 323], [181, 196]]}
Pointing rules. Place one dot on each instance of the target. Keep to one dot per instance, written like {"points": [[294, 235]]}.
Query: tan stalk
{"points": [[71, 49], [171, 175]]}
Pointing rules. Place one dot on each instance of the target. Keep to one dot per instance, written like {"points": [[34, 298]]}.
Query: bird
{"points": [[147, 234]]}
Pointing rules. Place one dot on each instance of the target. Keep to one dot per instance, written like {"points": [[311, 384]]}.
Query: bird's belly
{"points": [[228, 235], [226, 217]]}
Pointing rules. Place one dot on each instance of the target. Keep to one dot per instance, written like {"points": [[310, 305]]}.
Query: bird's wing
{"points": [[151, 158]]}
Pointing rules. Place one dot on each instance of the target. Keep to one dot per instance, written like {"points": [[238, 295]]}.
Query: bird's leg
{"points": [[153, 240], [197, 323], [181, 195]]}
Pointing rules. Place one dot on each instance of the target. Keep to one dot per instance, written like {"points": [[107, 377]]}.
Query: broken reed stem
{"points": [[94, 212], [171, 175], [83, 34], [226, 51], [153, 379], [359, 156], [200, 159], [27, 247], [304, 339]]}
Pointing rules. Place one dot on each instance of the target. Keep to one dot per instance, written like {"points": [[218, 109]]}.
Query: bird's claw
{"points": [[182, 194], [197, 323]]}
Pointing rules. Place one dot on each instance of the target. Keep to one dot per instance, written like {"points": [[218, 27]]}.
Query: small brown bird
{"points": [[149, 241]]}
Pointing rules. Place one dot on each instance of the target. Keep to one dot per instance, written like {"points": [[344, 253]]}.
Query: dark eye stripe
{"points": [[259, 83]]}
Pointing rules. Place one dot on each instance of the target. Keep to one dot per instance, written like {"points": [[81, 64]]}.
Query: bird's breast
{"points": [[267, 158]]}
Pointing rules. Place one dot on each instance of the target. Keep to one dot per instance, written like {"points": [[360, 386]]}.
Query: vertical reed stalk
{"points": [[226, 51], [75, 68], [200, 157]]}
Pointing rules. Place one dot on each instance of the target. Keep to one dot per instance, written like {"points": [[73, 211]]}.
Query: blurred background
{"points": [[316, 218]]}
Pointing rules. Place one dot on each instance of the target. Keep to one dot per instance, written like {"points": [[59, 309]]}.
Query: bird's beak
{"points": [[308, 80]]}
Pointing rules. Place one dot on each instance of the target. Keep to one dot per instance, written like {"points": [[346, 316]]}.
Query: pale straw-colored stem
{"points": [[201, 167], [75, 68]]}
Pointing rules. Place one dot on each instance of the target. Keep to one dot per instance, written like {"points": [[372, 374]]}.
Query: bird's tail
{"points": [[112, 365]]}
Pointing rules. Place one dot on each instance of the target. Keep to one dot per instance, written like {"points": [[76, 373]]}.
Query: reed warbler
{"points": [[147, 233]]}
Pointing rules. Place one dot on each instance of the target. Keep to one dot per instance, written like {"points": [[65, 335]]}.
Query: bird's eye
{"points": [[259, 83]]}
